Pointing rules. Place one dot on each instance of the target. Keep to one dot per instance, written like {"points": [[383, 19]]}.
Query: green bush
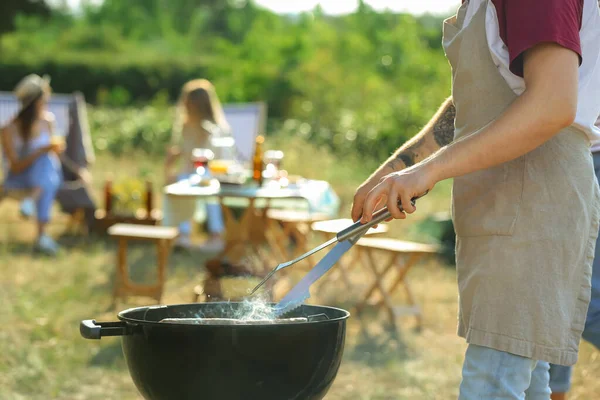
{"points": [[124, 130], [93, 76]]}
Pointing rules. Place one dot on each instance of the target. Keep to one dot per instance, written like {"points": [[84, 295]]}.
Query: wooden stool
{"points": [[402, 256], [162, 236], [327, 230]]}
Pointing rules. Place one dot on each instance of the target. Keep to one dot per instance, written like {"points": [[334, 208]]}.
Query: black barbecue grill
{"points": [[271, 361]]}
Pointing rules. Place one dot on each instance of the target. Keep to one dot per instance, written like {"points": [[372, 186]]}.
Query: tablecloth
{"points": [[183, 201]]}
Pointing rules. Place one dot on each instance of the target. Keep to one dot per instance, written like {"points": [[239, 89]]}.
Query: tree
{"points": [[9, 9]]}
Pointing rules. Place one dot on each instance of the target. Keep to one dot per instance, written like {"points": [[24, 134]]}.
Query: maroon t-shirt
{"points": [[526, 23]]}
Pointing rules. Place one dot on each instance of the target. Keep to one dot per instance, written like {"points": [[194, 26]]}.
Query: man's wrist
{"points": [[394, 165], [433, 168], [386, 169]]}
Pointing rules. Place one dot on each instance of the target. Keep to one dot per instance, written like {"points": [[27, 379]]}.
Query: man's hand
{"points": [[400, 186], [363, 191]]}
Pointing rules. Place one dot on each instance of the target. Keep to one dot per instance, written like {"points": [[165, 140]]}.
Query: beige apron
{"points": [[526, 229]]}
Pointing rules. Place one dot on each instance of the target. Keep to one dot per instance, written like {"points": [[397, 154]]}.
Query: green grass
{"points": [[42, 301]]}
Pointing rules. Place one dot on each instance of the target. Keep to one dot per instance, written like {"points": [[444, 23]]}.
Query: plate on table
{"points": [[231, 179]]}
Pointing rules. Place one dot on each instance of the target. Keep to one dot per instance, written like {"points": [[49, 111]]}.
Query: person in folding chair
{"points": [[200, 118], [30, 155], [75, 193], [515, 136]]}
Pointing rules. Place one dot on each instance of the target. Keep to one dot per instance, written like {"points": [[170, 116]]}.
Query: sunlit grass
{"points": [[42, 301]]}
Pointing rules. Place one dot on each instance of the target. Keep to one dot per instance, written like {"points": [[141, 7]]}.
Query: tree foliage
{"points": [[10, 9], [364, 81]]}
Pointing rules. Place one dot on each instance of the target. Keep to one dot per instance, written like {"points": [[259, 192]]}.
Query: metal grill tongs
{"points": [[345, 238]]}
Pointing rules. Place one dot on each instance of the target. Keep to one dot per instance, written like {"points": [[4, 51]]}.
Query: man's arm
{"points": [[548, 105], [438, 133]]}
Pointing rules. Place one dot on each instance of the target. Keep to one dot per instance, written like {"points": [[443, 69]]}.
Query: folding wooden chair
{"points": [[402, 256], [162, 237]]}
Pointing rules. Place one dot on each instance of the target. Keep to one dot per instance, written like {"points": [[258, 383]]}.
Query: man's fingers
{"points": [[371, 202], [357, 207], [392, 204], [407, 204]]}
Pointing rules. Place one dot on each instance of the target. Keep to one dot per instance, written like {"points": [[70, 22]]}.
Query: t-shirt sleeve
{"points": [[531, 22]]}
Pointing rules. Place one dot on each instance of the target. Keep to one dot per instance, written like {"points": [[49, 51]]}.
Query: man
{"points": [[526, 205], [560, 376]]}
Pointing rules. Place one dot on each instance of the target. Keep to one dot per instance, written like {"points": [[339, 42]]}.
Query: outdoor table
{"points": [[250, 231]]}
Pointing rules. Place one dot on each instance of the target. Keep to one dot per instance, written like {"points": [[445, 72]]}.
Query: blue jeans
{"points": [[214, 217], [492, 374], [44, 174], [560, 376]]}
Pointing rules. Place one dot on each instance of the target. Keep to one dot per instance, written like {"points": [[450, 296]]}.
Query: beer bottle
{"points": [[108, 197], [257, 161], [149, 200]]}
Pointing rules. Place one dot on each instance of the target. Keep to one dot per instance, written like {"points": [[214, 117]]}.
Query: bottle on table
{"points": [[108, 197], [149, 200], [257, 161]]}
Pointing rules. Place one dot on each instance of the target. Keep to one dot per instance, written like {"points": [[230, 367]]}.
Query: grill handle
{"points": [[90, 329]]}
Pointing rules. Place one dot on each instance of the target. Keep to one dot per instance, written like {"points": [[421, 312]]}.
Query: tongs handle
{"points": [[358, 229]]}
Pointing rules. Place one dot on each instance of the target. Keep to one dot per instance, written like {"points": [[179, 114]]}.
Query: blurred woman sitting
{"points": [[199, 120], [30, 153]]}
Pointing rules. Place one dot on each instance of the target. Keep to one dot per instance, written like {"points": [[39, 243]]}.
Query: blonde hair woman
{"points": [[199, 119]]}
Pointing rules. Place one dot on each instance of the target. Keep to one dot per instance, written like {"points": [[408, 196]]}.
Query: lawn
{"points": [[42, 355]]}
